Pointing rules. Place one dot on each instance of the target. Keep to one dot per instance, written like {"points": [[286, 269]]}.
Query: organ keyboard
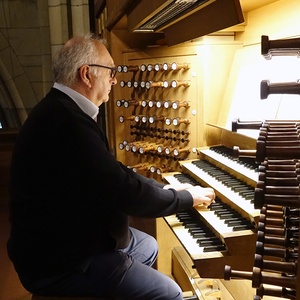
{"points": [[225, 232]]}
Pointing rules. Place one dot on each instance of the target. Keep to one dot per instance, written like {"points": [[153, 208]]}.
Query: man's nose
{"points": [[114, 81]]}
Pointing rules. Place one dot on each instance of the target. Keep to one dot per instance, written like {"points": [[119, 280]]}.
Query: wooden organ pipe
{"points": [[260, 199], [281, 137], [287, 254], [278, 231], [280, 222], [279, 187], [276, 240], [280, 173], [265, 150], [275, 291], [272, 211], [277, 193], [258, 278], [276, 266], [280, 163], [238, 124], [279, 47], [267, 88]]}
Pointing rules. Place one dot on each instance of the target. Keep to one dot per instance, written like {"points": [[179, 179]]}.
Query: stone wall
{"points": [[30, 33]]}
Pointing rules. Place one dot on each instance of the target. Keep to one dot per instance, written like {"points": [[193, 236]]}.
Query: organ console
{"points": [[247, 233], [267, 212]]}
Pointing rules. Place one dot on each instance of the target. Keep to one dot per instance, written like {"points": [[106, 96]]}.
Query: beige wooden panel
{"points": [[209, 60]]}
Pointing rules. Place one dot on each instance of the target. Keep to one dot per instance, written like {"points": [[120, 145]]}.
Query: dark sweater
{"points": [[70, 197]]}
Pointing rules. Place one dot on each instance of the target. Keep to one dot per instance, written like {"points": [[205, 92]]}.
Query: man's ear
{"points": [[85, 76]]}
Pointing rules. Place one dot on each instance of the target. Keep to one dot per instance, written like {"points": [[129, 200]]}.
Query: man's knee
{"points": [[153, 246]]}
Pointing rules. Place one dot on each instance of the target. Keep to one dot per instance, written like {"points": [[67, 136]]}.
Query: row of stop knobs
{"points": [[152, 168], [154, 67], [155, 84], [152, 148], [154, 119], [152, 103]]}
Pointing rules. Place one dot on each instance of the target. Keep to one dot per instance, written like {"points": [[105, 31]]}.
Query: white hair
{"points": [[75, 53]]}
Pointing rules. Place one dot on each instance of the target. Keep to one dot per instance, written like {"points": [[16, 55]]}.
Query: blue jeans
{"points": [[123, 274]]}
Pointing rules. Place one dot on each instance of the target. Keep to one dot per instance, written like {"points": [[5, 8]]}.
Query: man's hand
{"points": [[201, 196], [178, 187]]}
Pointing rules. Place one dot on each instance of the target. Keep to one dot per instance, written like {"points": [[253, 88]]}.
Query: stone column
{"points": [[80, 17], [67, 18], [59, 24]]}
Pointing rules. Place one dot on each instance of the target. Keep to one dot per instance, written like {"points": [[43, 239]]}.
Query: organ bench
{"points": [[186, 296], [36, 297]]}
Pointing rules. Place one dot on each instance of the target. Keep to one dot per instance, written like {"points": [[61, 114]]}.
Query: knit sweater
{"points": [[70, 197]]}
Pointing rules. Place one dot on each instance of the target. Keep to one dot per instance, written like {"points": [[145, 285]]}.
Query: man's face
{"points": [[102, 83]]}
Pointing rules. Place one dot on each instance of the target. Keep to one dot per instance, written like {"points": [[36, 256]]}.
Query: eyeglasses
{"points": [[113, 71]]}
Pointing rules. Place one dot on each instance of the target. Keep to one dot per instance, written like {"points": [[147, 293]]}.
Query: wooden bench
{"points": [[36, 297]]}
